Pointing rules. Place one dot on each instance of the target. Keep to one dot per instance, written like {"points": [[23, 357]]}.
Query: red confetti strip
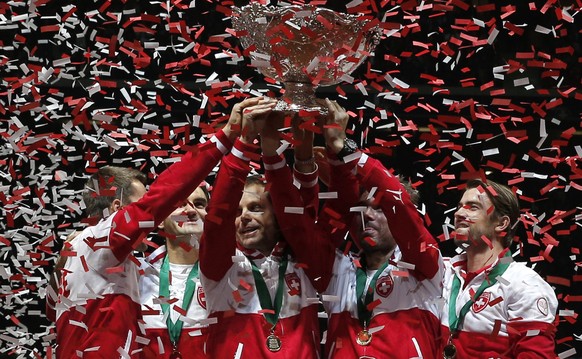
{"points": [[179, 310], [496, 328], [558, 280], [370, 307], [112, 270], [495, 301], [400, 273], [245, 285]]}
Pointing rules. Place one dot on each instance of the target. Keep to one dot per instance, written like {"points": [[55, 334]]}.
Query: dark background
{"points": [[96, 82]]}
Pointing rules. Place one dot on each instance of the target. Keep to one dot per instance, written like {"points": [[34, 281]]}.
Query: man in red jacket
{"points": [[260, 296], [494, 307], [97, 309], [384, 303], [173, 301]]}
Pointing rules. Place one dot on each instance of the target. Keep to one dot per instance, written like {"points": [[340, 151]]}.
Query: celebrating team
{"points": [[244, 271]]}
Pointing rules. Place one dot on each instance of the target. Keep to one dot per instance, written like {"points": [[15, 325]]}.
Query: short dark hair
{"points": [[255, 180], [98, 194], [204, 189], [504, 202], [258, 180]]}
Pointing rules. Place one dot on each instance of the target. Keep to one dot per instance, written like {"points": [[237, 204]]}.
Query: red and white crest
{"points": [[293, 283], [201, 296], [384, 286], [481, 302], [543, 306]]}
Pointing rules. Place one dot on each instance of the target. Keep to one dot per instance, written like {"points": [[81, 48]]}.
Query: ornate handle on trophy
{"points": [[304, 47]]}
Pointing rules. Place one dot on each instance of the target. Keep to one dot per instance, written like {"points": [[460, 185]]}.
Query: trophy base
{"points": [[300, 96], [283, 106]]}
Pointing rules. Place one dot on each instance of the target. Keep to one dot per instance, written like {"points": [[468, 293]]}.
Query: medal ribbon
{"points": [[363, 313], [174, 329], [263, 291], [455, 322]]}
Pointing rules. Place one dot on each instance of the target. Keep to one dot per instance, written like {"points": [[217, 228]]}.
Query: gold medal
{"points": [[450, 350], [364, 337], [273, 343], [175, 354]]}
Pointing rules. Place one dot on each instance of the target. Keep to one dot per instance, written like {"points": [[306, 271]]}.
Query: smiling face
{"points": [[187, 221], [256, 227], [473, 219], [370, 228]]}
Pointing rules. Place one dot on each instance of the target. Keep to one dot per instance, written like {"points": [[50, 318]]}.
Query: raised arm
{"points": [[416, 243], [296, 222], [335, 217], [133, 222], [304, 166], [218, 242]]}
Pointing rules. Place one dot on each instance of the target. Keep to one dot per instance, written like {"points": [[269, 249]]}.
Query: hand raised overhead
{"points": [[334, 127], [254, 118], [246, 109]]}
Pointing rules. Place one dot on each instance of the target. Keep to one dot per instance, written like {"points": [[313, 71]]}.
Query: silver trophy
{"points": [[304, 47]]}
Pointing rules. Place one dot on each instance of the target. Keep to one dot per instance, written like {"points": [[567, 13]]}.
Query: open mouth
{"points": [[462, 225], [247, 231], [190, 223]]}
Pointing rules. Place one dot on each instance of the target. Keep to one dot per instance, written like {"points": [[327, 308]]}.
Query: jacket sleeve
{"points": [[133, 222], [297, 224], [533, 303], [528, 346], [417, 245], [335, 218], [218, 242], [309, 191]]}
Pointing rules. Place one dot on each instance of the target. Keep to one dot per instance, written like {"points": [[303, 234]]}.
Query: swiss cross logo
{"points": [[201, 296], [294, 283], [384, 286], [481, 302]]}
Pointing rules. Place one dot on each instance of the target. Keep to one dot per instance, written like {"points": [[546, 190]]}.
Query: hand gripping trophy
{"points": [[304, 47]]}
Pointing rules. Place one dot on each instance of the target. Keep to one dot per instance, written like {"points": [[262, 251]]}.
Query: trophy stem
{"points": [[299, 96]]}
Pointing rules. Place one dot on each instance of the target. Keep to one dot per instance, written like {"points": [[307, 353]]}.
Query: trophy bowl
{"points": [[304, 47]]}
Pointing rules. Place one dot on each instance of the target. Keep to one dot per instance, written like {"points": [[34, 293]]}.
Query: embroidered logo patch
{"points": [[543, 305], [384, 286], [201, 296], [293, 283], [482, 302]]}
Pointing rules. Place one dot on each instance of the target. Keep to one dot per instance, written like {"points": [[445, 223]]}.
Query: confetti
{"points": [[492, 87], [330, 298], [400, 273], [327, 195], [294, 210]]}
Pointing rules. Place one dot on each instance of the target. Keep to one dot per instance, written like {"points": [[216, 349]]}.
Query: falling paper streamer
{"points": [[94, 83]]}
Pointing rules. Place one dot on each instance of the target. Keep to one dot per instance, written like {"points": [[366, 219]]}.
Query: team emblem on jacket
{"points": [[384, 286], [543, 305], [201, 296], [482, 302], [293, 283]]}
